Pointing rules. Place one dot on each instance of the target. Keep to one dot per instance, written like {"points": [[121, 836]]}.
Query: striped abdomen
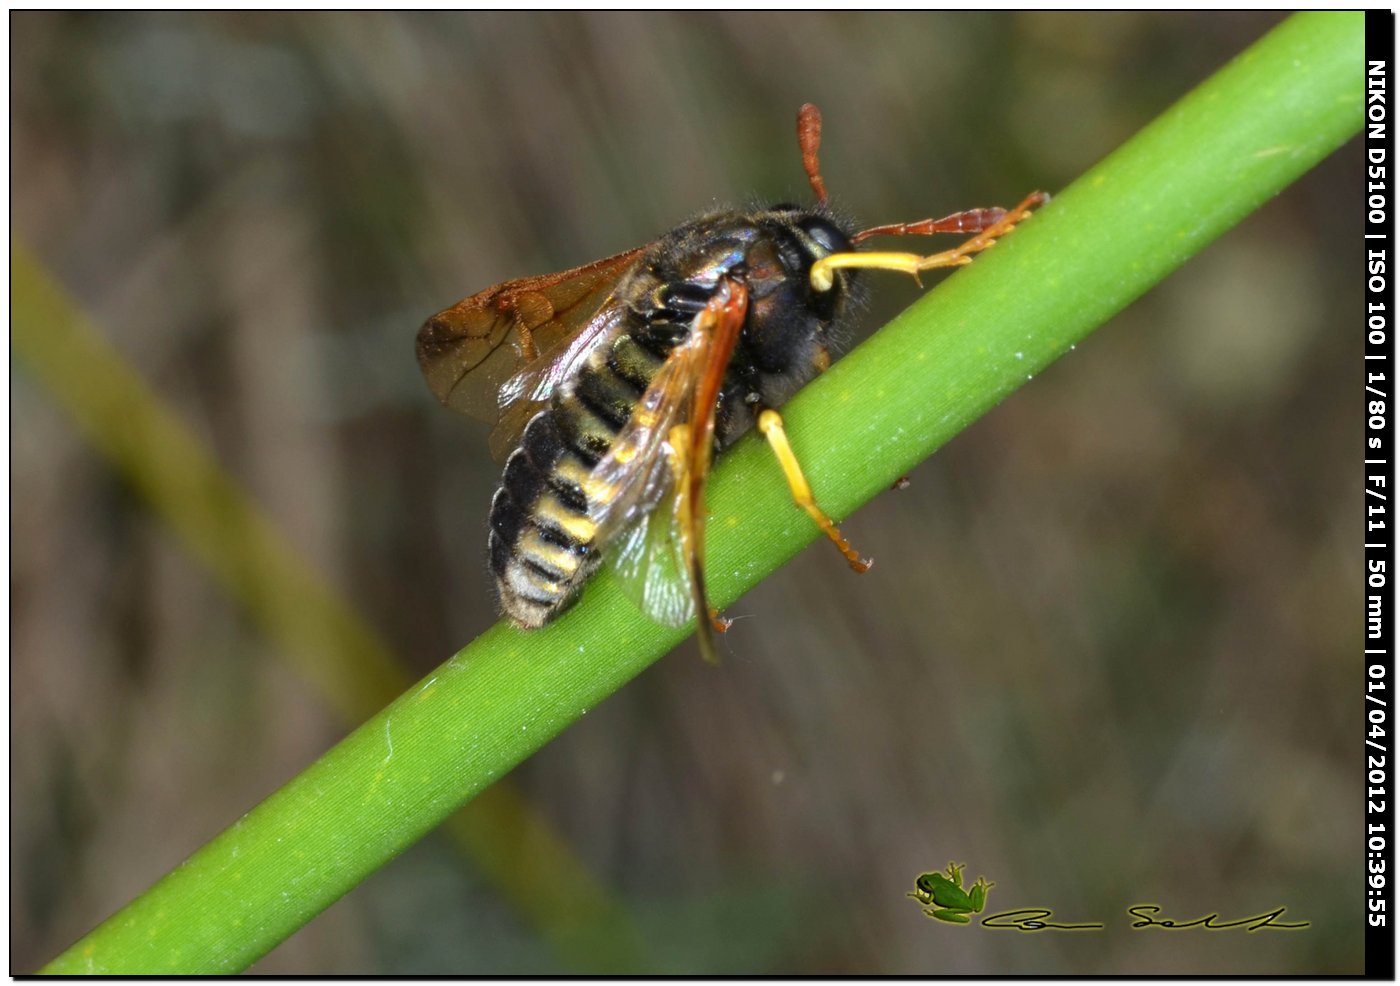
{"points": [[542, 543]]}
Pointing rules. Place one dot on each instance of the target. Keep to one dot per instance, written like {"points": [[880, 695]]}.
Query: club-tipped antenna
{"points": [[809, 139]]}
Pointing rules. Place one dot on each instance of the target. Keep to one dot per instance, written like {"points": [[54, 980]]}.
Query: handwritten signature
{"points": [[1037, 919]]}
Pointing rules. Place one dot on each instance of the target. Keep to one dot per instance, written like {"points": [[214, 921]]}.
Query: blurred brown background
{"points": [[1110, 650]]}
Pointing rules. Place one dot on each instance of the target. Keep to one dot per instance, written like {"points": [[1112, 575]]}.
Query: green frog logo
{"points": [[945, 898]]}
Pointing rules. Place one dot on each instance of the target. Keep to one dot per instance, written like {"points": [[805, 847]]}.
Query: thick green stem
{"points": [[311, 625], [1218, 154]]}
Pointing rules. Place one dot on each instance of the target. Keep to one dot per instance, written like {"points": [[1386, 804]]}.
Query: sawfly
{"points": [[613, 385]]}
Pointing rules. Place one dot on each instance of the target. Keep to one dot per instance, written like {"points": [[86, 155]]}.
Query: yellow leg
{"points": [[822, 277], [770, 424]]}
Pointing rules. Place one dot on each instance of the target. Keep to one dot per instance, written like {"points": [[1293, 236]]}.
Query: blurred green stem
{"points": [[1218, 154], [344, 657]]}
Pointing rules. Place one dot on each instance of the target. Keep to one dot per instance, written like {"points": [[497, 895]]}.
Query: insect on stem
{"points": [[611, 386]]}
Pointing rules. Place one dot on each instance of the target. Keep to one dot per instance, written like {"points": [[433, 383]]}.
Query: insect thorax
{"points": [[786, 335]]}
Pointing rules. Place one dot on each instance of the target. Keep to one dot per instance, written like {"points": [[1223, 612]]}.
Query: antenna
{"points": [[809, 138]]}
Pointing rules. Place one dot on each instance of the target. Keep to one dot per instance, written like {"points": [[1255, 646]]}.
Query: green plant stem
{"points": [[314, 628], [1211, 159]]}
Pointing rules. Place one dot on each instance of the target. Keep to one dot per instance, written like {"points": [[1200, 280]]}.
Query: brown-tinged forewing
{"points": [[470, 351], [646, 495], [633, 491]]}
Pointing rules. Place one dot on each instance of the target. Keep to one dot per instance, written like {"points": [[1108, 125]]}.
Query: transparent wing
{"points": [[646, 459], [499, 354], [646, 494], [651, 565], [633, 494], [529, 390]]}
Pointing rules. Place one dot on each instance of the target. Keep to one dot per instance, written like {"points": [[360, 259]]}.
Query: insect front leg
{"points": [[770, 425]]}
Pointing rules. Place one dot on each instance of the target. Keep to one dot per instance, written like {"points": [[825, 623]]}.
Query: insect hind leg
{"points": [[770, 425]]}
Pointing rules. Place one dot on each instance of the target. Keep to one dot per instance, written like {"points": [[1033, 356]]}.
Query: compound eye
{"points": [[827, 235]]}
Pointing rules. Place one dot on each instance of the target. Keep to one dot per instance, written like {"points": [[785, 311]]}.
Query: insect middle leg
{"points": [[770, 425]]}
